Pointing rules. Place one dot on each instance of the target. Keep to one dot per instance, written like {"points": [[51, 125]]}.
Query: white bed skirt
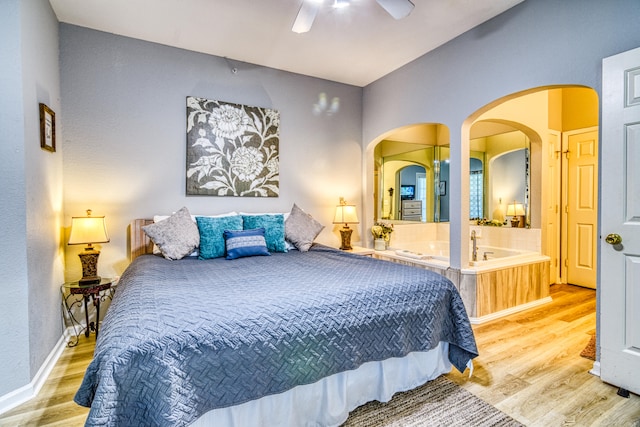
{"points": [[329, 401]]}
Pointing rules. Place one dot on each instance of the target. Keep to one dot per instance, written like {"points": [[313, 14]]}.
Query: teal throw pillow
{"points": [[273, 225], [212, 234]]}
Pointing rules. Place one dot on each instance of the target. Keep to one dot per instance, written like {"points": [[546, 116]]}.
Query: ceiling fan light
{"points": [[397, 8]]}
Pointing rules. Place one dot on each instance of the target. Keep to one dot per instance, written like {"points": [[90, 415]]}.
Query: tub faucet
{"points": [[485, 257], [474, 239]]}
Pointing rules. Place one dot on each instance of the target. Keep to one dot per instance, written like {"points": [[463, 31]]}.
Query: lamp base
{"points": [[345, 234], [89, 261], [517, 221]]}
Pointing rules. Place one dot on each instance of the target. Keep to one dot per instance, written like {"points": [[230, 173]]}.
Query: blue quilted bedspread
{"points": [[184, 337]]}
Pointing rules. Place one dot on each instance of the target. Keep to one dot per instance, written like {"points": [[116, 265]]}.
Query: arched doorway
{"points": [[561, 124]]}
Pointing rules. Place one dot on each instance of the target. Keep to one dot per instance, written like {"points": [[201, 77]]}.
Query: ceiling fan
{"points": [[397, 8]]}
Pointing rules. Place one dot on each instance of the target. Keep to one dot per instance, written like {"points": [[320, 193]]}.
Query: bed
{"points": [[294, 338]]}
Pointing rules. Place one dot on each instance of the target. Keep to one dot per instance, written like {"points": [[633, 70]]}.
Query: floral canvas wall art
{"points": [[232, 149]]}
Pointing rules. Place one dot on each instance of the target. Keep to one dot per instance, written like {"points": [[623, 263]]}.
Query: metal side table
{"points": [[97, 292]]}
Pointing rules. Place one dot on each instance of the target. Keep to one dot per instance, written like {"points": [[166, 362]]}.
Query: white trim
{"points": [[595, 370], [31, 390], [508, 311]]}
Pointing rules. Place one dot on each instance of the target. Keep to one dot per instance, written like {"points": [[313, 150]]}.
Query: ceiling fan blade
{"points": [[397, 8], [306, 16]]}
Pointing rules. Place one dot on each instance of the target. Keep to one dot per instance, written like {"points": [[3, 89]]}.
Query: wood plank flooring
{"points": [[54, 405], [529, 367]]}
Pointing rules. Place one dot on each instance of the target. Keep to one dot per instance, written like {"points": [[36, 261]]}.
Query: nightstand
{"points": [[359, 250], [97, 292]]}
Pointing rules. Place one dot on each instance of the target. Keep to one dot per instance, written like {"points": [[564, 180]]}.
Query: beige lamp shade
{"points": [[346, 214], [516, 209], [88, 229]]}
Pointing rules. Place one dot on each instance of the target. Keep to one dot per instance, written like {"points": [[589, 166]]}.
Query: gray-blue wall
{"points": [[14, 355], [124, 107], [44, 187], [537, 43], [31, 260]]}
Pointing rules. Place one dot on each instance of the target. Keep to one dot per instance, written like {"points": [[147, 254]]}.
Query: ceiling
{"points": [[355, 45]]}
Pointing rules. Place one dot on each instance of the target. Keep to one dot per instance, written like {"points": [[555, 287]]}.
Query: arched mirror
{"points": [[499, 182], [412, 174]]}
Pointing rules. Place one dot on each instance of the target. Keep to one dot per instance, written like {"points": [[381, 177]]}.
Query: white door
{"points": [[582, 206], [620, 263]]}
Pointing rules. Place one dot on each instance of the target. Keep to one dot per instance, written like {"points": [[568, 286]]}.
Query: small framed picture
{"points": [[442, 188], [47, 128]]}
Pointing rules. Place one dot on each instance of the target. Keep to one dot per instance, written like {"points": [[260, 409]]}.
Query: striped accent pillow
{"points": [[244, 243]]}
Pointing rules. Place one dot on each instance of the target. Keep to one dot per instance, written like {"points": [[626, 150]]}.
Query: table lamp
{"points": [[345, 214], [87, 230], [516, 211]]}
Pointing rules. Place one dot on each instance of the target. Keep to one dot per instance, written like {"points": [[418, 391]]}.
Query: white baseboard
{"points": [[29, 391], [595, 370], [508, 311]]}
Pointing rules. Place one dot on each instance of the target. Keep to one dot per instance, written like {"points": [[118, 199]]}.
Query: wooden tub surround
{"points": [[507, 290], [494, 291]]}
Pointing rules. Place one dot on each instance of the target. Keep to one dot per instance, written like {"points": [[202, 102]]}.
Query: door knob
{"points": [[613, 239]]}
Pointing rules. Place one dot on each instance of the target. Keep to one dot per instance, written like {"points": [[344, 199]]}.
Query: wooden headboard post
{"points": [[140, 242]]}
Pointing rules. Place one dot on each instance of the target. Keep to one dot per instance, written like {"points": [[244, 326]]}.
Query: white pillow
{"points": [[158, 218]]}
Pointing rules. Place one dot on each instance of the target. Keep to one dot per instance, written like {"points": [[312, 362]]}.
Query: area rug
{"points": [[589, 351], [437, 403]]}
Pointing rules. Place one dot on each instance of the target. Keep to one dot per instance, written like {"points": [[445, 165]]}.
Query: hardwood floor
{"points": [[529, 367], [54, 405]]}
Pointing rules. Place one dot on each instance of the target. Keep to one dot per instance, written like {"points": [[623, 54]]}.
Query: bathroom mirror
{"points": [[499, 171], [411, 170], [404, 179]]}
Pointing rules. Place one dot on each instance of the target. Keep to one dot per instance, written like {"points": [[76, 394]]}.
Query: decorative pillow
{"points": [[158, 218], [243, 243], [273, 225], [176, 237], [285, 214], [211, 234], [301, 229]]}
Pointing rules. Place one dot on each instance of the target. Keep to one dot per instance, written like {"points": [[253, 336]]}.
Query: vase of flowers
{"points": [[381, 235]]}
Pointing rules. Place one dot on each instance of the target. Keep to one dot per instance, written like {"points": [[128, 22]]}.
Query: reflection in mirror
{"points": [[404, 178], [408, 184], [441, 193], [499, 175], [476, 188]]}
